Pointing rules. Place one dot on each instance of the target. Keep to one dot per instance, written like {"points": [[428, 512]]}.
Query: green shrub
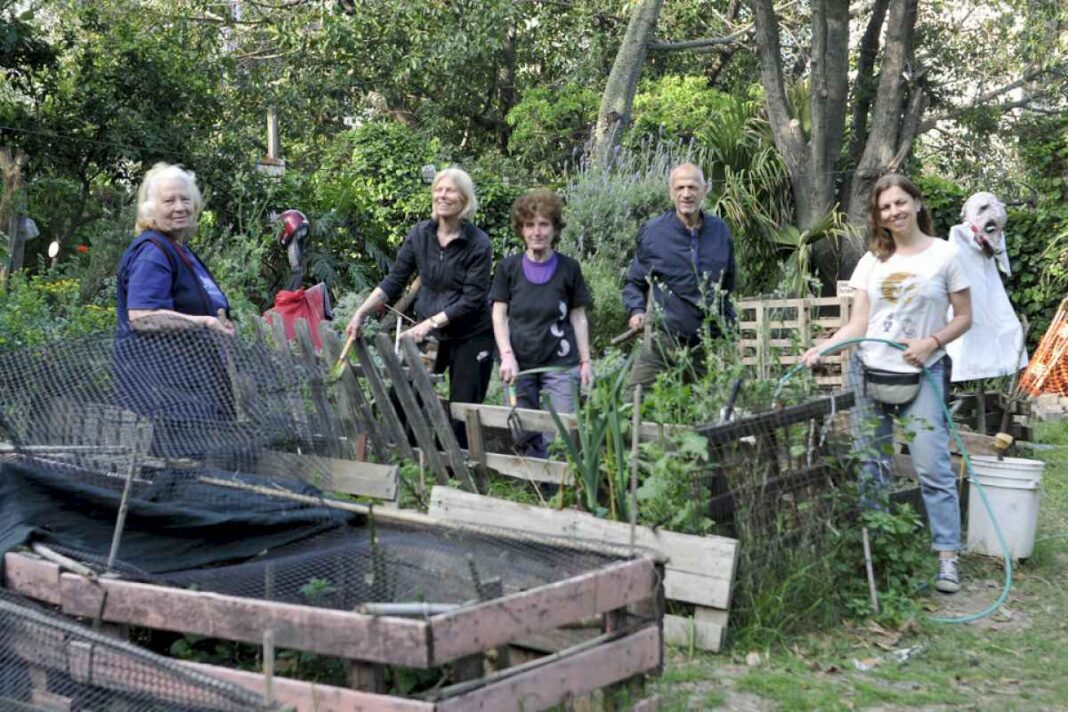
{"points": [[39, 309], [549, 124]]}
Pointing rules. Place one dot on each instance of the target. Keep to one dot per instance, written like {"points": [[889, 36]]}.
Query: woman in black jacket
{"points": [[452, 258]]}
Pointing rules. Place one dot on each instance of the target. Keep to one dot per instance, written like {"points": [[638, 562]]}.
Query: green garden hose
{"points": [[972, 479]]}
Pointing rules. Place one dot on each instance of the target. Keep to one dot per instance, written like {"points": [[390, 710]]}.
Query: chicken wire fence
{"points": [[217, 438], [49, 663], [787, 479]]}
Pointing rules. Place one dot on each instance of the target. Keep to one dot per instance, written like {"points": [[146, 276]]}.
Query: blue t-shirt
{"points": [[151, 280]]}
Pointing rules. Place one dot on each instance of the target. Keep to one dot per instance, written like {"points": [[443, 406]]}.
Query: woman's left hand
{"points": [[419, 331], [918, 350], [586, 374]]}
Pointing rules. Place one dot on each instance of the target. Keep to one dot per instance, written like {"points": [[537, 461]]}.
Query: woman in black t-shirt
{"points": [[539, 315]]}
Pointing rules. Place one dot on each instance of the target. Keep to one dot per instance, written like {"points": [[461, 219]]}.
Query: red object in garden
{"points": [[312, 305], [82, 249], [1048, 370]]}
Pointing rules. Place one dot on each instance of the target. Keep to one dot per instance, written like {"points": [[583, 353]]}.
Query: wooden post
{"points": [[423, 435], [437, 415]]}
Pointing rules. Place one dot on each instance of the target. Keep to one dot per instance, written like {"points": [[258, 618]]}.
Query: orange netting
{"points": [[1048, 370]]}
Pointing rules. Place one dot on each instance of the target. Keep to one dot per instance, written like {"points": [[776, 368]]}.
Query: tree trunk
{"points": [[13, 205], [894, 118], [618, 97]]}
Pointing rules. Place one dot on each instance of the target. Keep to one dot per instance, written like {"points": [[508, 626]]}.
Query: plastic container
{"points": [[1013, 488]]}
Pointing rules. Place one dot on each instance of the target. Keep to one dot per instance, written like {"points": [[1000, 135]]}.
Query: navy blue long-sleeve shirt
{"points": [[455, 278], [683, 265]]}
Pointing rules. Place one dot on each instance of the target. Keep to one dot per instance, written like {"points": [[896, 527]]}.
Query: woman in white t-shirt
{"points": [[903, 287]]}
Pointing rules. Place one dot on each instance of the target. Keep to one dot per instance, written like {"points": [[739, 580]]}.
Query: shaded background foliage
{"points": [[369, 93]]}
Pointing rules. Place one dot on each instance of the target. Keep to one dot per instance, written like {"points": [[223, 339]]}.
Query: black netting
{"points": [[50, 663], [224, 443]]}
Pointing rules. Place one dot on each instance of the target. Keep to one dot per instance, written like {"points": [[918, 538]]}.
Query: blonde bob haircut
{"points": [[147, 195], [464, 184]]}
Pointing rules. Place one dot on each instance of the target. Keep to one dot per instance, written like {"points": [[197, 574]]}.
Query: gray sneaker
{"points": [[948, 579]]}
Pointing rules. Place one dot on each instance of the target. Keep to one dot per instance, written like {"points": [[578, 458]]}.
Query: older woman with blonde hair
{"points": [[161, 281], [452, 258]]}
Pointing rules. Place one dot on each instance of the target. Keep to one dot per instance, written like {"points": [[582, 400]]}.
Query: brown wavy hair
{"points": [[538, 202], [881, 241]]}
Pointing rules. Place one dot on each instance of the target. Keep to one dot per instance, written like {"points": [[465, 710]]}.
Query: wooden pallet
{"points": [[777, 332]]}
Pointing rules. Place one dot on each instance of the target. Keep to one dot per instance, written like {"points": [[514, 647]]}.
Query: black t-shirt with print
{"points": [[539, 314]]}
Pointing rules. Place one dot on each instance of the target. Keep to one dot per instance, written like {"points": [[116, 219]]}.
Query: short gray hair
{"points": [[146, 196], [689, 167], [464, 184]]}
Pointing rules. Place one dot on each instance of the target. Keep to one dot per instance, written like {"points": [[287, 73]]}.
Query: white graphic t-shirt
{"points": [[909, 296]]}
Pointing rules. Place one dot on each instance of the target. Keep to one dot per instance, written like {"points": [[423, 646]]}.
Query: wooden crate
{"points": [[700, 569], [630, 646]]}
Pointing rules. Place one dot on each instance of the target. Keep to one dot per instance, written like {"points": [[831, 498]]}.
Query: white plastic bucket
{"points": [[1013, 488]]}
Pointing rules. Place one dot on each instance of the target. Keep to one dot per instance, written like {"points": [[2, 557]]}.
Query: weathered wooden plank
{"points": [[707, 636], [974, 443], [319, 630], [351, 404], [32, 577], [439, 419], [566, 677], [701, 568], [531, 469], [310, 697], [114, 669], [414, 414], [363, 479], [541, 421], [326, 415], [382, 400], [487, 625]]}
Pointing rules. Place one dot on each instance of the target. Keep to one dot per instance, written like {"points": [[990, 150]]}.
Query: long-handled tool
{"points": [[339, 367], [515, 425]]}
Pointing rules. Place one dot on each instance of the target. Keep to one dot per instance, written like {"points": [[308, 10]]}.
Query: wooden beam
{"points": [[487, 625], [32, 577], [396, 641], [351, 404], [541, 421], [531, 469], [363, 479], [439, 419], [382, 400], [310, 697], [413, 413], [566, 677], [700, 569], [707, 635]]}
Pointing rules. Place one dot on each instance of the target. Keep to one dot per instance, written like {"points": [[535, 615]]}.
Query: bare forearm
{"points": [[954, 329], [581, 326], [148, 320], [501, 333]]}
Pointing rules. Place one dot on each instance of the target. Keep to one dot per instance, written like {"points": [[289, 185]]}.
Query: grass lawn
{"points": [[1016, 659]]}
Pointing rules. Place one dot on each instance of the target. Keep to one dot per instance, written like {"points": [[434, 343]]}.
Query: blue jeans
{"points": [[924, 421], [559, 386]]}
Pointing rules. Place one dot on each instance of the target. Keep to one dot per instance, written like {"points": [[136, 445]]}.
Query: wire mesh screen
{"points": [[788, 478], [396, 563], [50, 663], [207, 429]]}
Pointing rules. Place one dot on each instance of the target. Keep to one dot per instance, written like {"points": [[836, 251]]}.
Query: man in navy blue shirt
{"points": [[687, 256]]}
